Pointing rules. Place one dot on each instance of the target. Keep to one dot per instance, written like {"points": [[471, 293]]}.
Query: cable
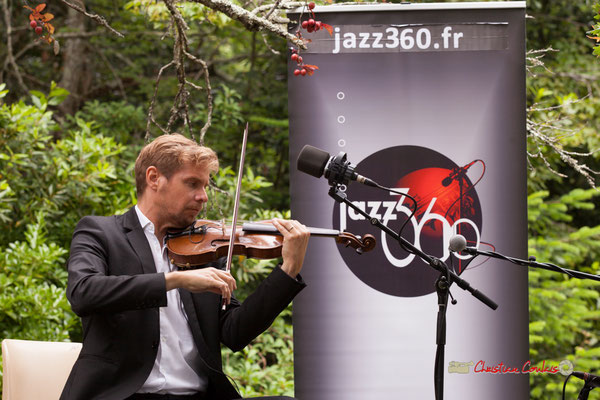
{"points": [[565, 385], [409, 217]]}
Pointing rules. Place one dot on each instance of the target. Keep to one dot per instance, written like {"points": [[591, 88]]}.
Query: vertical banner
{"points": [[428, 99]]}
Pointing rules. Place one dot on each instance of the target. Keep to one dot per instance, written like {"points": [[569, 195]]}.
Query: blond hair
{"points": [[168, 153]]}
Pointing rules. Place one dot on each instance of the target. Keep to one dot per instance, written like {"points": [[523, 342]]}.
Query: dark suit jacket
{"points": [[113, 286]]}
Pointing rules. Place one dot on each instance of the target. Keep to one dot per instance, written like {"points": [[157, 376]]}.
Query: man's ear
{"points": [[152, 177]]}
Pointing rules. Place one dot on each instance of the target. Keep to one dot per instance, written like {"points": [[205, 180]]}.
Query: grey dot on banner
{"points": [[565, 367], [341, 95], [341, 119], [341, 143]]}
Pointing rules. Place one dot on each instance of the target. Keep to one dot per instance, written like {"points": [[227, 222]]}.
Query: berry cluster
{"points": [[40, 22], [39, 29], [302, 68], [310, 25]]}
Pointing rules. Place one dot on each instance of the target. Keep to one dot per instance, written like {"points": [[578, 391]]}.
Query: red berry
{"points": [[299, 59], [311, 22], [304, 24], [311, 5], [317, 25], [297, 72], [310, 29], [39, 30], [33, 24], [294, 57], [303, 71]]}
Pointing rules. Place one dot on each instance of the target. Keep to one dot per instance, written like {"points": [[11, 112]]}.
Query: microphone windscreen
{"points": [[312, 161], [457, 243]]}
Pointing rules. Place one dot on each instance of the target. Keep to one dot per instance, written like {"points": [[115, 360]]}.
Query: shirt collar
{"points": [[144, 221]]}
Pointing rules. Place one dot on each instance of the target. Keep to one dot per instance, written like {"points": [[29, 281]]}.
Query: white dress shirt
{"points": [[172, 372]]}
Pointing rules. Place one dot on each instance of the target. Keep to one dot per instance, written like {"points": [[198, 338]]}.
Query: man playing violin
{"points": [[150, 331]]}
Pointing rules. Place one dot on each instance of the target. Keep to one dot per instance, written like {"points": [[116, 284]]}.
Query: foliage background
{"points": [[62, 157]]}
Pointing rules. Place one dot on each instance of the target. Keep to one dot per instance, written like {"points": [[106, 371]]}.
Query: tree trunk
{"points": [[75, 73]]}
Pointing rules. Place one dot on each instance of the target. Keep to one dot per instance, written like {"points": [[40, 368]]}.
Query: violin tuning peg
{"points": [[359, 251]]}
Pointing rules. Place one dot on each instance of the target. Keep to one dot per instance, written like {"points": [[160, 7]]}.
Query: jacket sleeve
{"points": [[95, 285], [241, 323]]}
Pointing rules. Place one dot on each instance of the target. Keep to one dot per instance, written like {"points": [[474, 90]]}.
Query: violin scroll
{"points": [[360, 244]]}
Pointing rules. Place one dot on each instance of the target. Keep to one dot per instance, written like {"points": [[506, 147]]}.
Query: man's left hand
{"points": [[295, 241]]}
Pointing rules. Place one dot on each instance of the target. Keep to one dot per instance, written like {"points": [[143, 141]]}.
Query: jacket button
{"points": [[155, 344]]}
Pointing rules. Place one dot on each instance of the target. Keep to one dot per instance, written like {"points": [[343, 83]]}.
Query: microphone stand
{"points": [[446, 279]]}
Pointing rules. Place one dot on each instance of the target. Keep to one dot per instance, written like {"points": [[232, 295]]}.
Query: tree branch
{"points": [[273, 8], [545, 134], [534, 59], [151, 107], [251, 21], [10, 59], [209, 98], [100, 20], [180, 108]]}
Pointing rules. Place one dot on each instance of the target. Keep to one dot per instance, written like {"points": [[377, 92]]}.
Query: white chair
{"points": [[36, 370]]}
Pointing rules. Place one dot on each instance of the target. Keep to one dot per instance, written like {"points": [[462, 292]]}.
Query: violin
{"points": [[207, 241]]}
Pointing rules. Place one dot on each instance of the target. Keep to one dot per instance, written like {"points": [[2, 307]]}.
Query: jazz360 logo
{"points": [[447, 205]]}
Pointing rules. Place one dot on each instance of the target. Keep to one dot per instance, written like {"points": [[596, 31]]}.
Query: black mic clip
{"points": [[453, 175], [470, 250], [339, 171], [457, 173], [589, 379]]}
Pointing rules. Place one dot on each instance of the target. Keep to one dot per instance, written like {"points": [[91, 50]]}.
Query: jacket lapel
{"points": [[137, 240]]}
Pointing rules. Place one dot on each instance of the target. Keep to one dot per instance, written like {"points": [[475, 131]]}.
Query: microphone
{"points": [[590, 380], [337, 170], [455, 173], [458, 244]]}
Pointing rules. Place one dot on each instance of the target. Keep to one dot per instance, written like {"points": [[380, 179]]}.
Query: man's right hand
{"points": [[203, 280]]}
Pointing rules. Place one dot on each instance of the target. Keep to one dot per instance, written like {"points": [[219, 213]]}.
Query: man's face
{"points": [[182, 196]]}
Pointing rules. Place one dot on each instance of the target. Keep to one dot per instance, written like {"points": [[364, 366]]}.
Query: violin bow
{"points": [[236, 203]]}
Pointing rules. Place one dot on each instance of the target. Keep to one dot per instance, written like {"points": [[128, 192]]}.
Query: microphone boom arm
{"points": [[533, 263]]}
